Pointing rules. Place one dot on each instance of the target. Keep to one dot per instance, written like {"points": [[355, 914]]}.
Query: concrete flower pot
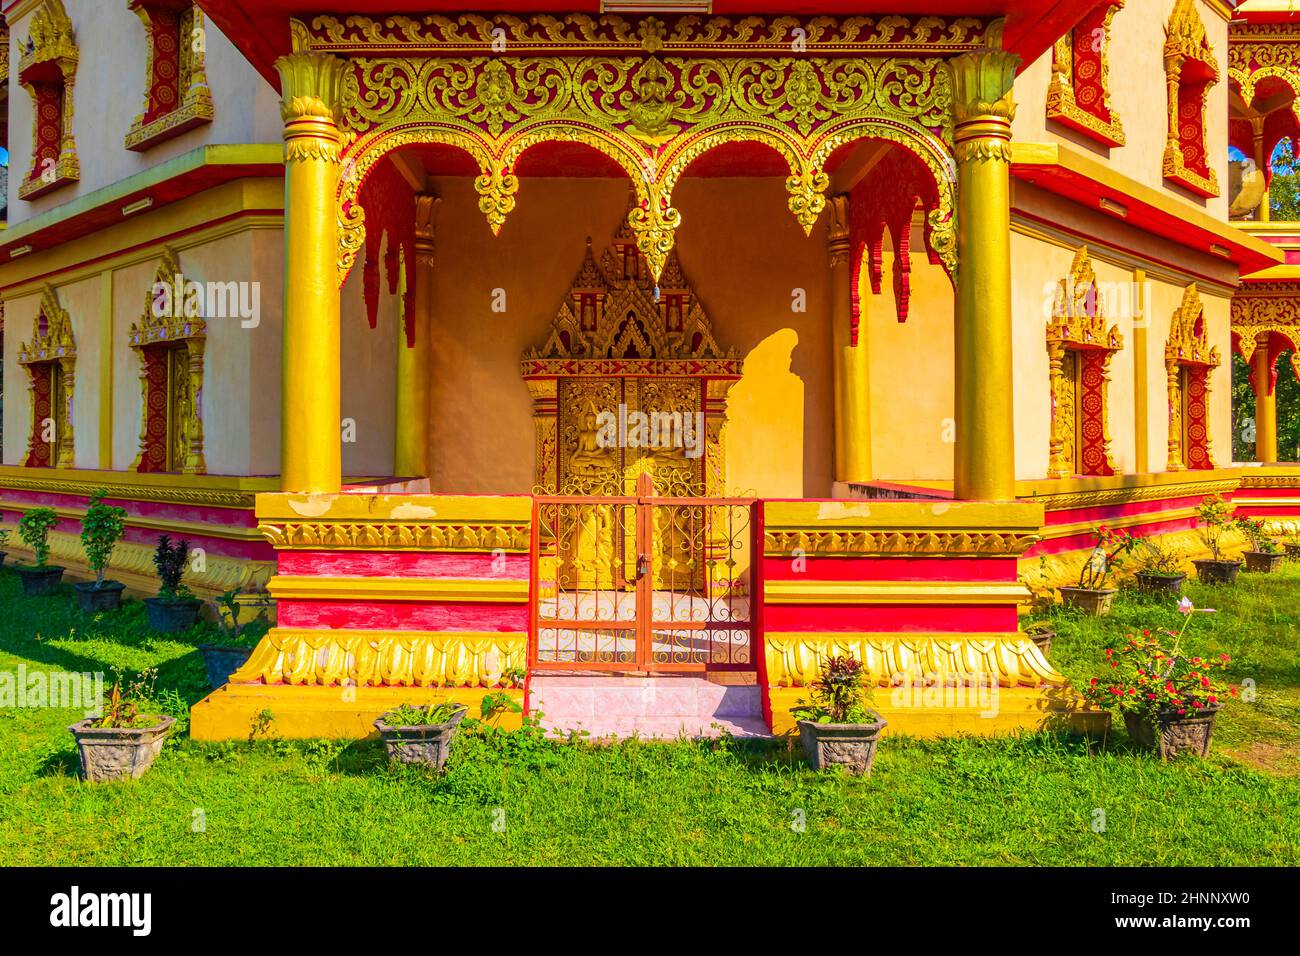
{"points": [[1043, 638], [1170, 733], [118, 753], [38, 582], [1263, 562], [851, 746], [1163, 585], [3, 555], [93, 599], [1209, 571], [168, 616], [1291, 551], [221, 661], [1094, 601], [428, 744]]}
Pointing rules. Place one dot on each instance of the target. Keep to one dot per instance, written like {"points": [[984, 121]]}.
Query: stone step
{"points": [[660, 707]]}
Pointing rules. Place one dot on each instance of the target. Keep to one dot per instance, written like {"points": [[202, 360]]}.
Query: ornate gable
{"points": [[614, 311]]}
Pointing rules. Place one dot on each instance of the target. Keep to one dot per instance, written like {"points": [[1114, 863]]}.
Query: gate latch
{"points": [[642, 566]]}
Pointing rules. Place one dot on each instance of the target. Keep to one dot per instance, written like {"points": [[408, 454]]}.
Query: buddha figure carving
{"points": [[590, 458]]}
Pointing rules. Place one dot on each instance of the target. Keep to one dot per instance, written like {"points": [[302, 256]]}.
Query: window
{"points": [[47, 71], [1189, 360], [1079, 348], [170, 338], [1190, 70], [50, 359], [1079, 94], [177, 97]]}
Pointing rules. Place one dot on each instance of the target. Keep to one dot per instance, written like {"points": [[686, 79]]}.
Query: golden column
{"points": [[411, 450], [310, 446], [1264, 211], [984, 456], [852, 394], [1265, 402]]}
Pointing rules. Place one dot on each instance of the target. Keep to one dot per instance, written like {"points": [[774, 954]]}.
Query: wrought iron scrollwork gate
{"points": [[642, 583]]}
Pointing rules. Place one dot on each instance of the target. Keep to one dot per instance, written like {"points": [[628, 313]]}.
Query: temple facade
{"points": [[635, 341]]}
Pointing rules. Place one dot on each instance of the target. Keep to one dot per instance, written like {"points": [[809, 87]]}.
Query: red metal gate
{"points": [[642, 583]]}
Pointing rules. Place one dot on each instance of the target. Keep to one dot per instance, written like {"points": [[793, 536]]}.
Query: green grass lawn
{"points": [[1037, 799]]}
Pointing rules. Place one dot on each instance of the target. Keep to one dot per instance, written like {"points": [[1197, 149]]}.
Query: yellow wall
{"points": [[741, 250], [241, 394], [109, 94], [912, 367], [1138, 95]]}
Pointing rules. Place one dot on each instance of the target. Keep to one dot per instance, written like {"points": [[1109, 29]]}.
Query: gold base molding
{"points": [[1009, 660], [132, 564], [1043, 574], [933, 712], [360, 658], [281, 711]]}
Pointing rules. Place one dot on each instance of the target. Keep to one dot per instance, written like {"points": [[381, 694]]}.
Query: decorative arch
{"points": [[1079, 348], [48, 71], [652, 94], [1189, 360], [1271, 312], [51, 362], [169, 340]]}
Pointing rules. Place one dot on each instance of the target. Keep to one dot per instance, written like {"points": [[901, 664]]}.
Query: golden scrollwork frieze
{"points": [[396, 536], [853, 543], [470, 34], [198, 497], [650, 95], [1099, 498]]}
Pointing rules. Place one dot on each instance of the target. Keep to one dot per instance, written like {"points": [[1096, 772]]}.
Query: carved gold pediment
{"points": [[51, 333]]}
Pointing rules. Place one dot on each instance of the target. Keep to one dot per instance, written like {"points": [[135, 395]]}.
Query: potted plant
{"points": [[1290, 545], [4, 543], [175, 608], [101, 530], [122, 742], [238, 637], [1091, 594], [1168, 698], [1264, 555], [40, 577], [1159, 569], [420, 734], [1041, 634], [1216, 516], [837, 727]]}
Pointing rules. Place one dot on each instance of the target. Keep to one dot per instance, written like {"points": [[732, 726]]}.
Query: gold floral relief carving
{"points": [[1272, 308], [1079, 441], [52, 347], [173, 317], [651, 95], [1062, 92]]}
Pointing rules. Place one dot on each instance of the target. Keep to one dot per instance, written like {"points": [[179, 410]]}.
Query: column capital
{"points": [[981, 86], [426, 212], [837, 237], [311, 99]]}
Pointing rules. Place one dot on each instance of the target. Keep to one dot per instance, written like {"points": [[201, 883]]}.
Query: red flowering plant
{"points": [[1107, 554], [1147, 678]]}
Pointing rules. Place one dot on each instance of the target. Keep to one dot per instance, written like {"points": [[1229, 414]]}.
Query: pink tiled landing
{"points": [[652, 707]]}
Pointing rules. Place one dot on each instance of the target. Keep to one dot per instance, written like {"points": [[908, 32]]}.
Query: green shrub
{"points": [[34, 528], [101, 529]]}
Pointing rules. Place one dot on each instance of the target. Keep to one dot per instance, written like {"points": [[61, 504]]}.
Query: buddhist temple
{"points": [[632, 358]]}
